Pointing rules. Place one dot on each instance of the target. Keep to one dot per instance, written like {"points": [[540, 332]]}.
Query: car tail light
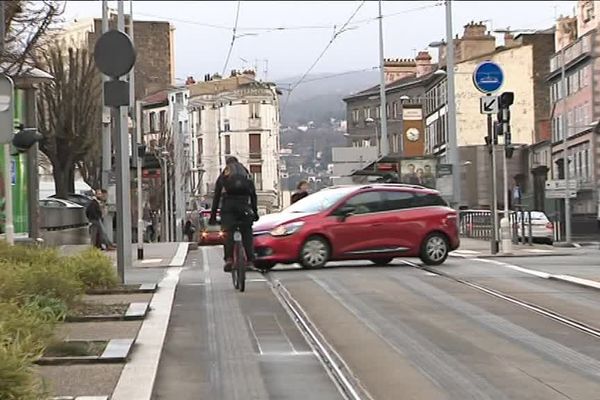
{"points": [[550, 226], [204, 234]]}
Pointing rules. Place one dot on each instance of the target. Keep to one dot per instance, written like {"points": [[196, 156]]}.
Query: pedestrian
{"points": [[94, 214], [301, 192]]}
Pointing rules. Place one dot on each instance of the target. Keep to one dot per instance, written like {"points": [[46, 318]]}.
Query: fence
{"points": [[477, 224]]}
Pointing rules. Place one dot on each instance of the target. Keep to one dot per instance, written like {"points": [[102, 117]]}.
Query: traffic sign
{"points": [[114, 54], [488, 77], [560, 194], [489, 105], [561, 184]]}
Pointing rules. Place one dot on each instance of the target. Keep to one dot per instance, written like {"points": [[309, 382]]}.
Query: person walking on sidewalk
{"points": [[238, 209], [302, 191], [94, 214]]}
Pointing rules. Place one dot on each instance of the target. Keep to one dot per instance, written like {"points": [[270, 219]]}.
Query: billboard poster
{"points": [[18, 177], [418, 171]]}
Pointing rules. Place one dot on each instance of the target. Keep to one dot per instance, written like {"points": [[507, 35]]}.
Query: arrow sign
{"points": [[489, 104]]}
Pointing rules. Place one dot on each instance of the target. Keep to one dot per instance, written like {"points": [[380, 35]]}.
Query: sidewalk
{"points": [[164, 254], [475, 248]]}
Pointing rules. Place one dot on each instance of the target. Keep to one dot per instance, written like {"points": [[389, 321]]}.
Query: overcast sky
{"points": [[409, 27]]}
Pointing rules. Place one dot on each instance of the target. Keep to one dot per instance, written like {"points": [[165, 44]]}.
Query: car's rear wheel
{"points": [[434, 249], [314, 253], [381, 261], [264, 266]]}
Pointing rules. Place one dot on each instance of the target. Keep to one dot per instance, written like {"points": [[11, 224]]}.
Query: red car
{"points": [[210, 234], [376, 222]]}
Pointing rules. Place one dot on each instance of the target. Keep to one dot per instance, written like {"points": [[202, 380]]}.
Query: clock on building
{"points": [[412, 134]]}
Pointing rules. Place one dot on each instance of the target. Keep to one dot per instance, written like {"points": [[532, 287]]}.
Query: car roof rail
{"points": [[406, 185]]}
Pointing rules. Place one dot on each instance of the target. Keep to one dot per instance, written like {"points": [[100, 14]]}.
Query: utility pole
{"points": [[9, 227], [453, 155], [140, 161], [565, 148], [106, 134], [385, 144]]}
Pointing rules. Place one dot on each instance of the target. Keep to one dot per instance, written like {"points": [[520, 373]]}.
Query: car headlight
{"points": [[287, 229]]}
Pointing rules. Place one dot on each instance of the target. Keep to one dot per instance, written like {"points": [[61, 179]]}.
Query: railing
{"points": [[477, 224]]}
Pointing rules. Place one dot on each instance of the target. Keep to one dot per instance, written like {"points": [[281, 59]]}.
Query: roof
{"points": [[160, 97], [397, 84], [25, 72], [219, 85]]}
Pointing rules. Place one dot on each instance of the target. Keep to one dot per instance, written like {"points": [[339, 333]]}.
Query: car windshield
{"points": [[319, 201]]}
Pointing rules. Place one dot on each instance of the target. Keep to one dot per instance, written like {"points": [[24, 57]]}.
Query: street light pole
{"points": [[565, 148], [384, 149], [106, 134], [453, 155]]}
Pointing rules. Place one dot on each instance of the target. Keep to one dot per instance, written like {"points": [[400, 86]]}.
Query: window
{"points": [[254, 110], [367, 112], [162, 120], [152, 122], [428, 200], [256, 172], [377, 112], [226, 125], [397, 200], [200, 150], [227, 144], [355, 115], [365, 203], [395, 110], [255, 147]]}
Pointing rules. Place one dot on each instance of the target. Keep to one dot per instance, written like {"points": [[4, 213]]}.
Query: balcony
{"points": [[255, 156], [583, 46]]}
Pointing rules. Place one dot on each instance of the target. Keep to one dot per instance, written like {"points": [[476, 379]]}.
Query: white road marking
{"points": [[151, 260], [180, 255]]}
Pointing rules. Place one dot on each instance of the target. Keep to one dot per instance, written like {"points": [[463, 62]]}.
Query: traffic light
{"points": [[505, 100]]}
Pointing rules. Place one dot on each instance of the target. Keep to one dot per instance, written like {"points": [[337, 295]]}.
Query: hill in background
{"points": [[319, 97]]}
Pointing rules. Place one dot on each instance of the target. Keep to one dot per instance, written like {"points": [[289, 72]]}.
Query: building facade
{"points": [[576, 114], [236, 116]]}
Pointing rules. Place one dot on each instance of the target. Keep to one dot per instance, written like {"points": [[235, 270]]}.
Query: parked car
{"points": [[541, 227], [210, 234], [51, 202], [376, 222], [80, 199]]}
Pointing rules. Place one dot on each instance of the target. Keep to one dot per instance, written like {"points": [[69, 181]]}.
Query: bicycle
{"points": [[238, 269]]}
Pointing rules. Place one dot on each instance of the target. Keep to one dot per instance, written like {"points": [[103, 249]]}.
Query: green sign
{"points": [[17, 175]]}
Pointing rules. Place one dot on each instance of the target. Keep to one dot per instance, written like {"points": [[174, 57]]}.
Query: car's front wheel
{"points": [[314, 252], [434, 249]]}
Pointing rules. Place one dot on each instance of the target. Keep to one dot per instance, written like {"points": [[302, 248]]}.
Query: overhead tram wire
{"points": [[336, 34], [233, 37]]}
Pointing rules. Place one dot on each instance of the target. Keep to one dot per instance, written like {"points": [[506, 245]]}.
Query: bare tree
{"points": [[69, 114], [27, 25]]}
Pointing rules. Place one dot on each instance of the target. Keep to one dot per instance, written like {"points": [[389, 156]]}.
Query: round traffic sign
{"points": [[488, 77], [114, 54]]}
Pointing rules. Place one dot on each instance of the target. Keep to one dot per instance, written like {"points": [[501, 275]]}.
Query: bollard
{"points": [[505, 235], [530, 230], [522, 236]]}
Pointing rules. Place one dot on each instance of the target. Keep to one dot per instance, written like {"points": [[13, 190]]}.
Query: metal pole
{"points": [[453, 155], [9, 227], [33, 188], [565, 148], [494, 204], [140, 222], [123, 183], [106, 134], [385, 144]]}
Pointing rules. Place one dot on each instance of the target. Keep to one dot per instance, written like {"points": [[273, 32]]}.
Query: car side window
{"points": [[365, 203], [397, 200], [428, 199]]}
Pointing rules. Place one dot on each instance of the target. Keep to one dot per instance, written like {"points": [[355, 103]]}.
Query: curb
{"points": [[511, 255], [143, 366]]}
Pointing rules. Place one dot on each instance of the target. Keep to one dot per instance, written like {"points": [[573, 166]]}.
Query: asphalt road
{"points": [[404, 332]]}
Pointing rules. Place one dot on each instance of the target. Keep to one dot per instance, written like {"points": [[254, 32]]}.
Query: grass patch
{"points": [[96, 309]]}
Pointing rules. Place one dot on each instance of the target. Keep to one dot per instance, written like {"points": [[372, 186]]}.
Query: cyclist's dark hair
{"points": [[231, 160]]}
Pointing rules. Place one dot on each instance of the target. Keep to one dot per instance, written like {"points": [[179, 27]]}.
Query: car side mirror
{"points": [[345, 211]]}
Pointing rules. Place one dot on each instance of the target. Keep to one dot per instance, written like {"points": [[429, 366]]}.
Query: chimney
{"points": [[509, 40], [423, 63], [475, 42], [395, 69], [190, 81], [249, 73], [233, 73], [474, 30]]}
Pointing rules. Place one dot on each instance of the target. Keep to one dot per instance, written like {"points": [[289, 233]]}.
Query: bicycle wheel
{"points": [[240, 267]]}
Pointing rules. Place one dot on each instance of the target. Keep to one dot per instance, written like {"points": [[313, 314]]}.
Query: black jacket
{"points": [[298, 196], [231, 206]]}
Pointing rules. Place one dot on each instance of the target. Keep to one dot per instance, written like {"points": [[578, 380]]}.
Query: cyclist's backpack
{"points": [[238, 182]]}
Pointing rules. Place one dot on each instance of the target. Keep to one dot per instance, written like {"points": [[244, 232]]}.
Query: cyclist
{"points": [[238, 208]]}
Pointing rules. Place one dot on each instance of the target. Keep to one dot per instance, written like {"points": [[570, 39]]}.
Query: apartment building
{"points": [[236, 116]]}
